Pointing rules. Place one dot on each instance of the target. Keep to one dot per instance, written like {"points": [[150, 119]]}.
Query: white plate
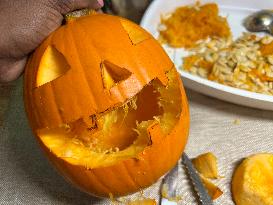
{"points": [[235, 11]]}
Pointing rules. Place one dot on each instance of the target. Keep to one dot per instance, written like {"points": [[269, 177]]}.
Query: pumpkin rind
{"points": [[80, 94]]}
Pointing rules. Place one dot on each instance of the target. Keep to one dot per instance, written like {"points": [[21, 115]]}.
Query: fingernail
{"points": [[100, 2]]}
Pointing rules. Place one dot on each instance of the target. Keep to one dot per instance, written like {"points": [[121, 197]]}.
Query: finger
{"points": [[11, 69], [65, 6]]}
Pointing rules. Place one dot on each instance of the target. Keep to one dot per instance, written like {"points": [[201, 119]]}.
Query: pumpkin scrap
{"points": [[103, 109], [142, 202], [206, 164], [252, 182], [188, 62], [188, 24], [267, 49], [213, 190], [165, 191]]}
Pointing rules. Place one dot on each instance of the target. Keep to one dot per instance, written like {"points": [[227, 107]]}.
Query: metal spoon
{"points": [[169, 185], [260, 21]]}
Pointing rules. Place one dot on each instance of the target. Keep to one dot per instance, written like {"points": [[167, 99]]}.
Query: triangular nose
{"points": [[112, 74]]}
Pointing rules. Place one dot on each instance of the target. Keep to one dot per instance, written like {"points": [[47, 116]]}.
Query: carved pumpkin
{"points": [[106, 104]]}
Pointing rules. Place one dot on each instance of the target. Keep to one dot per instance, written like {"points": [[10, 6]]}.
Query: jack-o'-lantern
{"points": [[106, 104]]}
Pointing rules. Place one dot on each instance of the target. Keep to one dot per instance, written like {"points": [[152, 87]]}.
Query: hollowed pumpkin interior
{"points": [[120, 133]]}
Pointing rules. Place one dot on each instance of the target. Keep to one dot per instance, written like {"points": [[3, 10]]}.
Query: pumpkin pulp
{"points": [[120, 133]]}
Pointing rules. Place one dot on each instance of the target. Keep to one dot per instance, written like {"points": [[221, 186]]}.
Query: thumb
{"points": [[27, 24]]}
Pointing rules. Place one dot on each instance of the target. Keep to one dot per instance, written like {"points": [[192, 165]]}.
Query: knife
{"points": [[199, 188], [169, 187]]}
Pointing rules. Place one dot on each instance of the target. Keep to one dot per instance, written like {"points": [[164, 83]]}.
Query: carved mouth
{"points": [[122, 133]]}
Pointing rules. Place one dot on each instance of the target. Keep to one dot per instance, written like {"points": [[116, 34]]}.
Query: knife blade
{"points": [[199, 188], [169, 187]]}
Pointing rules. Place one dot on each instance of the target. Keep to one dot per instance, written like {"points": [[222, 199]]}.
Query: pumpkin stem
{"points": [[77, 14]]}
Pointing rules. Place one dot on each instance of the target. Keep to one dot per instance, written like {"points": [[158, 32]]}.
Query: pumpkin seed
{"points": [[233, 62]]}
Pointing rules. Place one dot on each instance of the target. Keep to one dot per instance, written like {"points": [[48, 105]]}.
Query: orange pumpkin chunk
{"points": [[213, 190], [206, 164], [252, 181], [188, 24]]}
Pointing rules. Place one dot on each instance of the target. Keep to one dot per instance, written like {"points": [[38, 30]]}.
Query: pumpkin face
{"points": [[106, 104]]}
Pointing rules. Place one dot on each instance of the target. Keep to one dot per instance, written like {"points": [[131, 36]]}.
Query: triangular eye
{"points": [[112, 74], [53, 65], [135, 33]]}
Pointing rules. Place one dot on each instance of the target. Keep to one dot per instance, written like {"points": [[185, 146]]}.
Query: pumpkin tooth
{"points": [[90, 121]]}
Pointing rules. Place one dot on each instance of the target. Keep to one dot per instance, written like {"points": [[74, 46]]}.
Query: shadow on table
{"points": [[226, 107], [30, 166]]}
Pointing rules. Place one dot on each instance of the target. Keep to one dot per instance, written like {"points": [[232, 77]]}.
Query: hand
{"points": [[25, 24]]}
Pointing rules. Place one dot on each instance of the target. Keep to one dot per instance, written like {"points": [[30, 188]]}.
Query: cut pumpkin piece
{"points": [[206, 164], [252, 182], [267, 49], [213, 190]]}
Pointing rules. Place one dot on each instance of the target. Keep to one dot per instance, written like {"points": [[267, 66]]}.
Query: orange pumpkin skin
{"points": [[144, 57]]}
